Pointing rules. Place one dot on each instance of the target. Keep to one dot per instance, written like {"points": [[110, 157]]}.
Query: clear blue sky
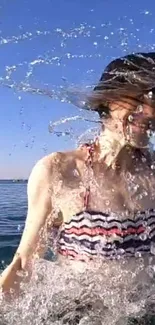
{"points": [[76, 39]]}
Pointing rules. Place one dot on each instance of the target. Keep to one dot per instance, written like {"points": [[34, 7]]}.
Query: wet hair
{"points": [[131, 76]]}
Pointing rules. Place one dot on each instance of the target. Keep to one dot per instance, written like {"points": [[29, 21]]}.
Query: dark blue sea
{"points": [[13, 209]]}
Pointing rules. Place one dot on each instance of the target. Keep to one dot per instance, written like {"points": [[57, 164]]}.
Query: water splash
{"points": [[100, 36], [92, 294], [84, 137], [98, 293]]}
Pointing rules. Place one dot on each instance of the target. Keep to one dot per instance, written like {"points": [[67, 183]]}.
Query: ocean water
{"points": [[114, 293], [13, 208]]}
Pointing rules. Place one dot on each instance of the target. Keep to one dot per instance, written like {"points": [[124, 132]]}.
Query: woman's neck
{"points": [[110, 143]]}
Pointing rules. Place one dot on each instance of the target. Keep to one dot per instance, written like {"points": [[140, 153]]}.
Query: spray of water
{"points": [[60, 292], [98, 293]]}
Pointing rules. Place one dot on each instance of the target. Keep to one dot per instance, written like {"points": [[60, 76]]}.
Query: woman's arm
{"points": [[34, 239]]}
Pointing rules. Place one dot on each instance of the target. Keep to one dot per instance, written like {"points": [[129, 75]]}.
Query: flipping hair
{"points": [[131, 76]]}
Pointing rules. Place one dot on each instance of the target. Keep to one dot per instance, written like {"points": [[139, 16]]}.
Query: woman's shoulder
{"points": [[56, 159], [55, 162]]}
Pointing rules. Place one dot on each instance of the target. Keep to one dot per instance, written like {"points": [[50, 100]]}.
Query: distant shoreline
{"points": [[13, 180]]}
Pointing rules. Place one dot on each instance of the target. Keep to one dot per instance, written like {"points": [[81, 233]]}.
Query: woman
{"points": [[98, 201]]}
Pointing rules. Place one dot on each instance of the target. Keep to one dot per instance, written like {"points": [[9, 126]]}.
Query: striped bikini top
{"points": [[91, 234]]}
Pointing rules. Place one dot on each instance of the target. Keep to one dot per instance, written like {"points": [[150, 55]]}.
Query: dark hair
{"points": [[131, 76]]}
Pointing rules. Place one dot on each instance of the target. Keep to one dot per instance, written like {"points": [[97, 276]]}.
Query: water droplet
{"points": [[138, 254], [146, 12], [75, 173], [107, 202], [140, 197], [128, 176], [140, 108], [145, 193], [150, 94], [143, 159], [143, 236], [19, 227], [152, 248], [144, 223], [150, 271], [135, 188], [121, 251], [130, 118]]}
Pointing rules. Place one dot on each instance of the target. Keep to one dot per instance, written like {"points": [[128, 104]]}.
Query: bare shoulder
{"points": [[59, 159], [46, 169]]}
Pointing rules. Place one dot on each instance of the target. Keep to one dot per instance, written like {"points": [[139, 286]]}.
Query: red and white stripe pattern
{"points": [[95, 234]]}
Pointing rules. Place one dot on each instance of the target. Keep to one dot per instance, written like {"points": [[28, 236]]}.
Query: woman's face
{"points": [[137, 120]]}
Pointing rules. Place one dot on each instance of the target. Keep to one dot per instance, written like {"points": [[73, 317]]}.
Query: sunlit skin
{"points": [[53, 183]]}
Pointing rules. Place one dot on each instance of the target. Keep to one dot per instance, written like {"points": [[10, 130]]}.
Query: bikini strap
{"points": [[90, 148], [86, 197]]}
